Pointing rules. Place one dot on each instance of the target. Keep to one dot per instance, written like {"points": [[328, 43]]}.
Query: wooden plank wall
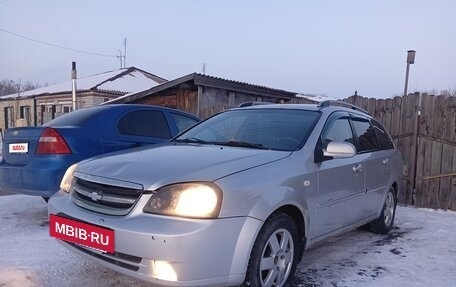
{"points": [[430, 146], [436, 167], [181, 99]]}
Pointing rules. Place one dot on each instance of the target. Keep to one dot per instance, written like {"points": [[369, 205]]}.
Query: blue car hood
{"points": [[153, 167]]}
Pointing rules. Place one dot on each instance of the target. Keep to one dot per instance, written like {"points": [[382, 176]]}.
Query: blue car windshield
{"points": [[274, 129]]}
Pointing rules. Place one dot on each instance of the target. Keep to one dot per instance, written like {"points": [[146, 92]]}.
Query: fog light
{"points": [[164, 271]]}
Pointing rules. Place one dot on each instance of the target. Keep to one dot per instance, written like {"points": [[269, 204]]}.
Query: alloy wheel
{"points": [[277, 259]]}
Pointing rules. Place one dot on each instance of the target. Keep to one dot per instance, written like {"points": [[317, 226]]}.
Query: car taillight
{"points": [[51, 142]]}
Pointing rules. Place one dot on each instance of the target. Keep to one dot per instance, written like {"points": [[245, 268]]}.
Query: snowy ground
{"points": [[421, 251]]}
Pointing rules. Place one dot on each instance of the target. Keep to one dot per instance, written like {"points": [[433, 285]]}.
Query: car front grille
{"points": [[104, 198]]}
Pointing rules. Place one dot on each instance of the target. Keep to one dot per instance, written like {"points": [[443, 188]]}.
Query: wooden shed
{"points": [[205, 95]]}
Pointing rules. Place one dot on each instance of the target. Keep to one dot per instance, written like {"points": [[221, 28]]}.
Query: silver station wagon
{"points": [[236, 199]]}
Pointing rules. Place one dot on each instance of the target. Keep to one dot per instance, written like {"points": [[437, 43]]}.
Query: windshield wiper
{"points": [[192, 140], [241, 144]]}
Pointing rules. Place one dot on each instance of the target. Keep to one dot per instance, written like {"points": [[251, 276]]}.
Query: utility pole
{"points": [[123, 57], [120, 57], [410, 60], [125, 52]]}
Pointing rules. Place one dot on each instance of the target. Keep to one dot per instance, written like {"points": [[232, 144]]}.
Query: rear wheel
{"points": [[384, 223], [275, 253]]}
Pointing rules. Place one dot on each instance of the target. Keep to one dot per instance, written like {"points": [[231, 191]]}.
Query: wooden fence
{"points": [[424, 129]]}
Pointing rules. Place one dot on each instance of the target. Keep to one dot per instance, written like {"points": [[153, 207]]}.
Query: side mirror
{"points": [[340, 150]]}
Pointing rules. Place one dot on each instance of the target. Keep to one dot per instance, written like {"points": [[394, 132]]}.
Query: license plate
{"points": [[18, 148], [99, 238]]}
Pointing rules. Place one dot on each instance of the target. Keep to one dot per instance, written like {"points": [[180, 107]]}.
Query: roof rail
{"points": [[248, 104], [328, 103]]}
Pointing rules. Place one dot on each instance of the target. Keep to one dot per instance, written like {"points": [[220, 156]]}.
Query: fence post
{"points": [[417, 137]]}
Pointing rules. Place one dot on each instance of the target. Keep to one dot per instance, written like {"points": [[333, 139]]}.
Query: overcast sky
{"points": [[320, 47]]}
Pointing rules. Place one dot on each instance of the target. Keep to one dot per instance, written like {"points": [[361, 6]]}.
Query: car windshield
{"points": [[275, 129]]}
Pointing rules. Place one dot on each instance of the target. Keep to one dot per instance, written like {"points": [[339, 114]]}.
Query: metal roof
{"points": [[208, 81], [117, 82]]}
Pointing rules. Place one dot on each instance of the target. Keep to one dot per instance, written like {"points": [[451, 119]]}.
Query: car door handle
{"points": [[357, 168], [386, 161]]}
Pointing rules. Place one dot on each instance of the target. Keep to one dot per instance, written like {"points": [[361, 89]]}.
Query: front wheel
{"points": [[384, 223], [275, 254]]}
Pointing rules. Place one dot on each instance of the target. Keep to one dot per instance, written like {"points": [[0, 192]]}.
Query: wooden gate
{"points": [[424, 129]]}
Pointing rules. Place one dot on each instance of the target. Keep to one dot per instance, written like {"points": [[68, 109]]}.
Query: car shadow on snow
{"points": [[356, 257], [24, 216]]}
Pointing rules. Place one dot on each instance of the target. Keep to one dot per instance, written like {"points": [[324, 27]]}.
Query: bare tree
{"points": [[449, 92], [13, 110], [8, 87]]}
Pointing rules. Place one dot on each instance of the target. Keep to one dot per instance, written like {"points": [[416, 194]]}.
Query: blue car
{"points": [[36, 158]]}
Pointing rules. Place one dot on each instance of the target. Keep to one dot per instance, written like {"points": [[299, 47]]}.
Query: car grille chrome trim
{"points": [[99, 195], [107, 181], [103, 198]]}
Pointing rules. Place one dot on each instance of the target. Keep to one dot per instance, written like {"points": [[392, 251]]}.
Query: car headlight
{"points": [[196, 200], [67, 179]]}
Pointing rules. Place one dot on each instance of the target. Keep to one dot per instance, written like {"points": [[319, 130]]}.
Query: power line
{"points": [[57, 46]]}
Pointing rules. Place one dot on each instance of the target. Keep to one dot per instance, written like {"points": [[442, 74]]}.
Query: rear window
{"points": [[74, 118]]}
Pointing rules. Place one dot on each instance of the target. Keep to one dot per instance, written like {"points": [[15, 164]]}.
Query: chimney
{"points": [[73, 79]]}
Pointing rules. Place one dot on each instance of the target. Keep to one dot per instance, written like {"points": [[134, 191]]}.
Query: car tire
{"points": [[275, 253], [384, 223]]}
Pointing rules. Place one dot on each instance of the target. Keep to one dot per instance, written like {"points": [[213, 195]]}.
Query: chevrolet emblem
{"points": [[95, 196]]}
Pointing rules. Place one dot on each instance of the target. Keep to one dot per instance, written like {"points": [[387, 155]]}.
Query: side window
{"points": [[338, 130], [365, 133], [183, 122], [144, 123], [383, 137]]}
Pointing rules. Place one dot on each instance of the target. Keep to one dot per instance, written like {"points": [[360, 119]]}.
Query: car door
{"points": [[377, 163], [340, 181]]}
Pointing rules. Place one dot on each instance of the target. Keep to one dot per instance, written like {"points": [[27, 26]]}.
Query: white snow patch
{"points": [[316, 98], [17, 277], [134, 81]]}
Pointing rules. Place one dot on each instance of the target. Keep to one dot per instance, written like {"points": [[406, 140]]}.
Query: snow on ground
{"points": [[420, 251]]}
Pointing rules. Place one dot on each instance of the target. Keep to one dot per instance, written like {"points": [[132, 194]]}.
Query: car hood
{"points": [[153, 167]]}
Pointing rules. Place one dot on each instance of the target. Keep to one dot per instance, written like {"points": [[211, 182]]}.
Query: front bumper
{"points": [[199, 252]]}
